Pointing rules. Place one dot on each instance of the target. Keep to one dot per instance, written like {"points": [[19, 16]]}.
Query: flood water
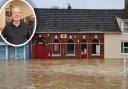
{"points": [[64, 74]]}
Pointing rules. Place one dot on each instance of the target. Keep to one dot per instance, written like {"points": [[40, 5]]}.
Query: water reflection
{"points": [[13, 74], [63, 74]]}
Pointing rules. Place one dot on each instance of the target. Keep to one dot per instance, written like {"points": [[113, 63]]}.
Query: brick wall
{"points": [[77, 38]]}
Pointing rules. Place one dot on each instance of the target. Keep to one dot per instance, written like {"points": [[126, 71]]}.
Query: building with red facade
{"points": [[75, 33]]}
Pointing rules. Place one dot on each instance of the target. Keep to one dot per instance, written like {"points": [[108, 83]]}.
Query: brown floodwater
{"points": [[64, 74]]}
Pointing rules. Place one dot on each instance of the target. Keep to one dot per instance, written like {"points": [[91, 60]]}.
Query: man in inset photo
{"points": [[16, 32]]}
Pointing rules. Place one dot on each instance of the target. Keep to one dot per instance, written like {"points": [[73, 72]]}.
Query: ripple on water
{"points": [[62, 74]]}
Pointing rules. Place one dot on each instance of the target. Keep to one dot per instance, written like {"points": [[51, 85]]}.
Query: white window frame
{"points": [[123, 47], [59, 54], [124, 26], [97, 54]]}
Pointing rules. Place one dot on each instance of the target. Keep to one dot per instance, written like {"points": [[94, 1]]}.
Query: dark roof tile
{"points": [[78, 20]]}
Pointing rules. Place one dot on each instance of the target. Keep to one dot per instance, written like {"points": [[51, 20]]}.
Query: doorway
{"points": [[83, 49], [40, 48]]}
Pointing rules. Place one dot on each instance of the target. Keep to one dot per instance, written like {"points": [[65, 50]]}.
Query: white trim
{"points": [[122, 53], [124, 33], [125, 21], [56, 55], [53, 49], [99, 48], [75, 43], [96, 54], [70, 55]]}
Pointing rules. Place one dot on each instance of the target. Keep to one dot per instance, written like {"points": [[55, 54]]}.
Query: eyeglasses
{"points": [[16, 12]]}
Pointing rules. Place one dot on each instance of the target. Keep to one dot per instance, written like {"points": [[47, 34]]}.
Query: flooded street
{"points": [[64, 74]]}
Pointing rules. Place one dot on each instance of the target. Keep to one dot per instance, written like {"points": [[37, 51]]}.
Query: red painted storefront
{"points": [[60, 46]]}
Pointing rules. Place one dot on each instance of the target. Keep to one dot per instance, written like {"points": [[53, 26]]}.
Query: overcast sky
{"points": [[79, 4]]}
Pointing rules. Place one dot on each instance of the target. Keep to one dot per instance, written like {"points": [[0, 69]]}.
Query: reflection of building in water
{"points": [[18, 71]]}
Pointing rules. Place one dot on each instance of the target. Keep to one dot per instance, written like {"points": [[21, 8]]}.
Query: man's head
{"points": [[16, 14]]}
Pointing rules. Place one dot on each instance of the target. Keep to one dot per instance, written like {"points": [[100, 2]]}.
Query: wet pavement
{"points": [[64, 74]]}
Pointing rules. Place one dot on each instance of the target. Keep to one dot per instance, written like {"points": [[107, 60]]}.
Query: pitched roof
{"points": [[124, 15], [78, 20]]}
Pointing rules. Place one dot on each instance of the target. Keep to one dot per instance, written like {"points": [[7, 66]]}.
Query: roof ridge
{"points": [[75, 9]]}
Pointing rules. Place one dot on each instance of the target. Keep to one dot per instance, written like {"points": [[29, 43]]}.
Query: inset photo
{"points": [[18, 22]]}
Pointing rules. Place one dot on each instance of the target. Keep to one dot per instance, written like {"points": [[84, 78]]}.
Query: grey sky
{"points": [[80, 4], [83, 4]]}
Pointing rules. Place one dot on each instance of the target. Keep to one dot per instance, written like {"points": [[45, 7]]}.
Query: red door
{"points": [[40, 51]]}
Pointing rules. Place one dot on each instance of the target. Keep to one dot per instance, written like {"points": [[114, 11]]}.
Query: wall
{"points": [[77, 37], [112, 45]]}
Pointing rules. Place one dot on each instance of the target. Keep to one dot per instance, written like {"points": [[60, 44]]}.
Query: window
{"points": [[20, 53], [56, 47], [2, 52], [11, 52], [95, 47], [124, 47], [27, 51], [125, 26], [70, 47]]}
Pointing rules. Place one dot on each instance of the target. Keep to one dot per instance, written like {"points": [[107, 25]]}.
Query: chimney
{"points": [[69, 7], [126, 4]]}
